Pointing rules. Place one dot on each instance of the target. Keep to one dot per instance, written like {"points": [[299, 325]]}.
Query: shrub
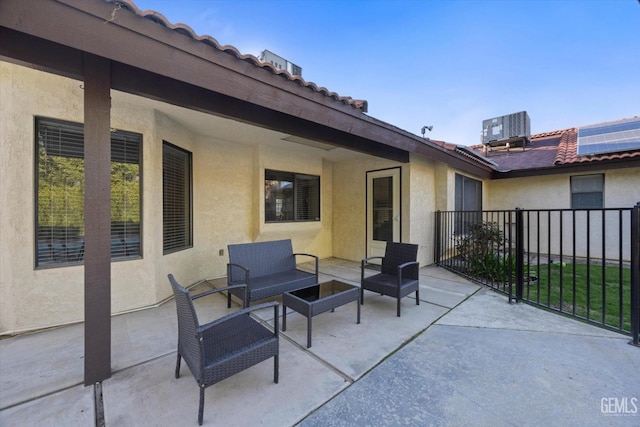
{"points": [[480, 249]]}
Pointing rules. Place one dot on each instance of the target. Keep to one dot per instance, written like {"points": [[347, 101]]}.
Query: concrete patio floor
{"points": [[464, 356]]}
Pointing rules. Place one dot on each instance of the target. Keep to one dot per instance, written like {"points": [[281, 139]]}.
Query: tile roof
{"points": [[159, 18], [546, 150], [462, 150]]}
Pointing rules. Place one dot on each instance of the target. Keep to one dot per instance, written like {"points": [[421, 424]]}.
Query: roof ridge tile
{"points": [[159, 18]]}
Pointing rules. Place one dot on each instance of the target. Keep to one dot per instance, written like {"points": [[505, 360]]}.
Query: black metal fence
{"points": [[583, 263]]}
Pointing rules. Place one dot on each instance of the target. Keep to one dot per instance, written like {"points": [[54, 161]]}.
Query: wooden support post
{"points": [[97, 212]]}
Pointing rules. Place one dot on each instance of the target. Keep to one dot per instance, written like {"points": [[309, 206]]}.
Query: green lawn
{"points": [[590, 290]]}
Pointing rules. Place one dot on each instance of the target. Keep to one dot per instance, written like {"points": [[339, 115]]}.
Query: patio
{"points": [[462, 357]]}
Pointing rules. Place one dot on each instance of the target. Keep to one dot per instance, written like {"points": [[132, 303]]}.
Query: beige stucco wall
{"points": [[422, 190], [418, 179], [444, 187], [349, 205], [228, 202], [622, 190], [29, 297], [228, 182], [228, 207]]}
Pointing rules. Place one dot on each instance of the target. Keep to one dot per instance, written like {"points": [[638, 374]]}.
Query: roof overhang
{"points": [[579, 167], [164, 64], [153, 61]]}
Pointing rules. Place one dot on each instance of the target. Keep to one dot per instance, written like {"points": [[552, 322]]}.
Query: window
{"points": [[587, 192], [177, 232], [291, 196], [468, 194], [382, 214], [60, 193], [468, 198]]}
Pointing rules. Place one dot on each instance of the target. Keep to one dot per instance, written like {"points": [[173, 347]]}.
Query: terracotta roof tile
{"points": [[567, 146], [159, 18], [547, 134]]}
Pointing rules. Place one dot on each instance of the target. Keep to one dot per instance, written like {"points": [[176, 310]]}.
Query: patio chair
{"points": [[223, 347], [399, 273]]}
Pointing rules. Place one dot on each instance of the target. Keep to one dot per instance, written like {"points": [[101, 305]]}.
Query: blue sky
{"points": [[450, 64]]}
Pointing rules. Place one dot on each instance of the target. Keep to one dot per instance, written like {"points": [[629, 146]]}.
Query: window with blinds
{"points": [[60, 193], [468, 203], [176, 205], [587, 191], [291, 196]]}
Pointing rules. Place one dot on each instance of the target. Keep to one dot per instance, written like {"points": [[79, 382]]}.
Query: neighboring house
{"points": [[206, 147], [548, 173]]}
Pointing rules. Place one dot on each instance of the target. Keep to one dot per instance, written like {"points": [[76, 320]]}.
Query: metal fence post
{"points": [[635, 275], [438, 242], [519, 255]]}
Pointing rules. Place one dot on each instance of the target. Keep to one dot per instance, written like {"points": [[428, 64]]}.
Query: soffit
{"points": [[232, 131]]}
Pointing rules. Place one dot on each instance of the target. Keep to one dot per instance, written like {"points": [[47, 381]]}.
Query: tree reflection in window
{"points": [[291, 196]]}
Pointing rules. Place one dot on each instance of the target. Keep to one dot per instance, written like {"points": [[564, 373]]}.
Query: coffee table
{"points": [[317, 299]]}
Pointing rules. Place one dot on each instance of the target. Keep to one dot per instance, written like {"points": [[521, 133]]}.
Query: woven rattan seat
{"points": [[223, 347], [399, 273]]}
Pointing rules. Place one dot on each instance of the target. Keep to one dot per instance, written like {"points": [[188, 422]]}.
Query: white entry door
{"points": [[383, 209]]}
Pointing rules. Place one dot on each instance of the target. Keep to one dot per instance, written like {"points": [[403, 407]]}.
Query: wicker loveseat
{"points": [[267, 268]]}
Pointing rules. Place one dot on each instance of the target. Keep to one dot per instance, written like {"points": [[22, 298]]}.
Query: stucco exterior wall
{"points": [[228, 201], [444, 187], [418, 187], [30, 297], [621, 190], [228, 205], [349, 205], [422, 190], [308, 237]]}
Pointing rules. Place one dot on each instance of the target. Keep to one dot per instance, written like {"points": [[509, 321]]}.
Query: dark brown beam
{"points": [[453, 159], [41, 54], [150, 85], [66, 61], [107, 30], [97, 212], [152, 48]]}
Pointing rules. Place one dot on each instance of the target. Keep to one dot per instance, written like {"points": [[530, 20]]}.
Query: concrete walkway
{"points": [[464, 356]]}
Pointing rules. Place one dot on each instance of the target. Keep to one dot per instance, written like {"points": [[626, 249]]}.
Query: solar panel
{"points": [[610, 137]]}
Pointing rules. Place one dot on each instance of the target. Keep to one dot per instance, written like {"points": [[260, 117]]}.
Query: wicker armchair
{"points": [[399, 274], [223, 347]]}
